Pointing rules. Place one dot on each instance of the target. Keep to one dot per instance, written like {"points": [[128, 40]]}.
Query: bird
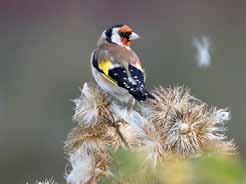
{"points": [[116, 68]]}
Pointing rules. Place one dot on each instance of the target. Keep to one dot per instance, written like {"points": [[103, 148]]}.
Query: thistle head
{"points": [[186, 125], [90, 106]]}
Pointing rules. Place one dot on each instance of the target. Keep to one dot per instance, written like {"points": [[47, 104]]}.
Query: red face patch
{"points": [[125, 29], [126, 42]]}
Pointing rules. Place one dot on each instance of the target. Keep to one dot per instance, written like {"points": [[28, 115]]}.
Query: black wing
{"points": [[134, 83]]}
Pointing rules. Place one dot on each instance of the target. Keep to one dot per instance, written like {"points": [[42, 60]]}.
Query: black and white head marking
{"points": [[112, 35], [109, 33]]}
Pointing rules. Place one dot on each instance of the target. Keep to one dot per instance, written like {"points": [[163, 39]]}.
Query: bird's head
{"points": [[120, 34]]}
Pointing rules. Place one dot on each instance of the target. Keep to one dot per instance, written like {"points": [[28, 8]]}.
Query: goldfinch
{"points": [[115, 66]]}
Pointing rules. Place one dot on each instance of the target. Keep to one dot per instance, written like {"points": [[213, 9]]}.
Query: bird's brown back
{"points": [[117, 55]]}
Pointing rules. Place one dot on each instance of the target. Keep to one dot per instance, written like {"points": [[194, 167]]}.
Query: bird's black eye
{"points": [[125, 35]]}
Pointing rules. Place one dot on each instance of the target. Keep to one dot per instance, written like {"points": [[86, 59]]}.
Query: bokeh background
{"points": [[45, 48]]}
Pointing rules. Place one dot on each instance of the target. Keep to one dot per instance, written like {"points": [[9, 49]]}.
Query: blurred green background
{"points": [[44, 58]]}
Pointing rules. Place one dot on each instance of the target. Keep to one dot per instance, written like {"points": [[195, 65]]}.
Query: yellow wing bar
{"points": [[105, 66]]}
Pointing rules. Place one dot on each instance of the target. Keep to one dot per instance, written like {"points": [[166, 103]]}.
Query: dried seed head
{"points": [[82, 168], [45, 181], [91, 138], [88, 152], [186, 125], [88, 166], [174, 124], [89, 107]]}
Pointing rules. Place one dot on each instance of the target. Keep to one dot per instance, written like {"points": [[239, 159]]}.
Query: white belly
{"points": [[112, 89]]}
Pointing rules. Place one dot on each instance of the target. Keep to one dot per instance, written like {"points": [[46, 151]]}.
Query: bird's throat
{"points": [[126, 42]]}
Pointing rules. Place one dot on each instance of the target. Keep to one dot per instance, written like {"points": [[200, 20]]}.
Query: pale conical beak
{"points": [[134, 36]]}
